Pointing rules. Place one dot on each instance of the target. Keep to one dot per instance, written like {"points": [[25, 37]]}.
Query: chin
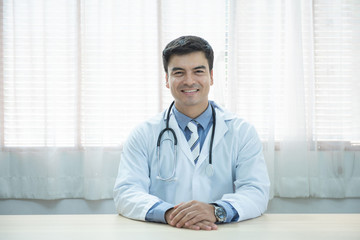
{"points": [[193, 104]]}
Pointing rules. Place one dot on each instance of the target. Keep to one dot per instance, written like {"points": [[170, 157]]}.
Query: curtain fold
{"points": [[77, 76], [56, 174]]}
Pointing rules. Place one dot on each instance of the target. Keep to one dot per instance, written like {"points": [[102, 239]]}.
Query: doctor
{"points": [[175, 185]]}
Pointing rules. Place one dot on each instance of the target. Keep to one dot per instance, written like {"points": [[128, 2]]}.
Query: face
{"points": [[189, 80]]}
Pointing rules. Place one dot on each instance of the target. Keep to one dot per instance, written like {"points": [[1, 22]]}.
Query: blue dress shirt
{"points": [[204, 123]]}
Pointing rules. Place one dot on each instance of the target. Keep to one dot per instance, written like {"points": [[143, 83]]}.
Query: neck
{"points": [[192, 111]]}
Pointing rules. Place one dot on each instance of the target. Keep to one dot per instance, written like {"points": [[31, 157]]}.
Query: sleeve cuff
{"points": [[157, 212]]}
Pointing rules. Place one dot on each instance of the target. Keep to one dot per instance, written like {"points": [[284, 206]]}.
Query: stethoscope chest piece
{"points": [[209, 170]]}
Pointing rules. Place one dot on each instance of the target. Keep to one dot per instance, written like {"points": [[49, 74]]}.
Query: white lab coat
{"points": [[240, 174]]}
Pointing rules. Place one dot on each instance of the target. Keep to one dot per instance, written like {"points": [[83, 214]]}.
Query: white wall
{"points": [[81, 206]]}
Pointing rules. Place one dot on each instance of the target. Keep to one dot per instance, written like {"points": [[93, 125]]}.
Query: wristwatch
{"points": [[220, 213]]}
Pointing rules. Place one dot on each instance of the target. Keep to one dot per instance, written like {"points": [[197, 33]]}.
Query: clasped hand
{"points": [[192, 215]]}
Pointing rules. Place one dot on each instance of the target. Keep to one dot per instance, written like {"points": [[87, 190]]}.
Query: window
{"points": [[287, 79], [84, 73], [77, 73], [337, 79]]}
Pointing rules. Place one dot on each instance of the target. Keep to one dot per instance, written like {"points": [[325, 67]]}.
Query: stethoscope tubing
{"points": [[209, 168]]}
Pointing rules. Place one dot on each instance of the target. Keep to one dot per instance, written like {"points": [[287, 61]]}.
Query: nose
{"points": [[189, 79]]}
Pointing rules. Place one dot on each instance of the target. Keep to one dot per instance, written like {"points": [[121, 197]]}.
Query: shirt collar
{"points": [[204, 119]]}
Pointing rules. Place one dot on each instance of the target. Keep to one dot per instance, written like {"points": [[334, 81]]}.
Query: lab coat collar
{"points": [[226, 115]]}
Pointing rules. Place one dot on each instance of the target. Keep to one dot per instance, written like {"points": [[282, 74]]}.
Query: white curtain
{"points": [[77, 76]]}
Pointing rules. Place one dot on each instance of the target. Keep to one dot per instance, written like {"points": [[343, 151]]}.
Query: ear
{"points": [[211, 77], [167, 80]]}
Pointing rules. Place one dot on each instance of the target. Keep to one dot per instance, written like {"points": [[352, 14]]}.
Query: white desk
{"points": [[269, 226]]}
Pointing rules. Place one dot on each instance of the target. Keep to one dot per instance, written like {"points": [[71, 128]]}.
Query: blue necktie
{"points": [[194, 140]]}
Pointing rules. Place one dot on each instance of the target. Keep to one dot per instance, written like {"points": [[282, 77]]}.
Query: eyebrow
{"points": [[181, 69], [200, 67], [176, 69]]}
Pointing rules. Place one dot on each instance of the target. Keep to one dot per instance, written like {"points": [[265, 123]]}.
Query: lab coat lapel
{"points": [[220, 130], [182, 143]]}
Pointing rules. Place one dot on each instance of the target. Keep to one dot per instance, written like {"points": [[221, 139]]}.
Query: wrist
{"points": [[167, 215]]}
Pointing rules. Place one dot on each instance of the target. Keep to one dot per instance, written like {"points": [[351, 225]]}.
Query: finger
{"points": [[178, 205], [178, 208], [179, 213], [199, 226], [204, 225], [194, 227], [197, 218], [212, 225], [185, 218]]}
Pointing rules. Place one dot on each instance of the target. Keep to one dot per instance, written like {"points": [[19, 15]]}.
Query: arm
{"points": [[251, 184], [131, 190]]}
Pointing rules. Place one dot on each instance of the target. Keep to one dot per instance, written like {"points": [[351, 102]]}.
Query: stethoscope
{"points": [[209, 168]]}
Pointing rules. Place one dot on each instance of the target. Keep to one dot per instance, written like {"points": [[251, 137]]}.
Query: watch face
{"points": [[220, 214]]}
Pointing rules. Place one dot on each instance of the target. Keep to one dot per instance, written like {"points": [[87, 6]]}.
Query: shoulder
{"points": [[145, 132], [236, 125], [149, 125], [242, 128]]}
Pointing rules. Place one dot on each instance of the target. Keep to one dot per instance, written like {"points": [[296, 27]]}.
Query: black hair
{"points": [[187, 44]]}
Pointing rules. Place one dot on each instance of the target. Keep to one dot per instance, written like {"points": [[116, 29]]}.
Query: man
{"points": [[186, 189]]}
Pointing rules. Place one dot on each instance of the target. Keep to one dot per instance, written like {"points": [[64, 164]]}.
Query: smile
{"points": [[190, 91]]}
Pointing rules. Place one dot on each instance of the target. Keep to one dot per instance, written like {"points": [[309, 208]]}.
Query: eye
{"points": [[178, 73]]}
